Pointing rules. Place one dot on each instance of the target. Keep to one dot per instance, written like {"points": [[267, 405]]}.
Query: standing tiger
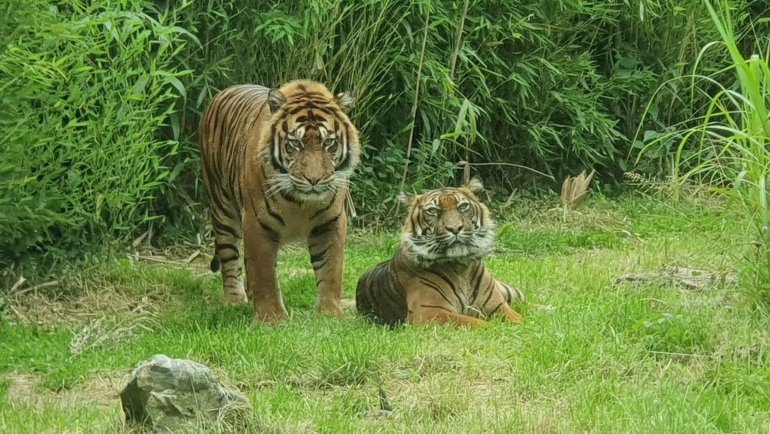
{"points": [[276, 165], [438, 273]]}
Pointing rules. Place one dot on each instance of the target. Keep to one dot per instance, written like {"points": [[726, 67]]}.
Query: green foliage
{"points": [[86, 93], [673, 333], [554, 87], [101, 99], [726, 145]]}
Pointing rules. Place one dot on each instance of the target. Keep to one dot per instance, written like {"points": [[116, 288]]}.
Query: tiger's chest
{"points": [[295, 221], [465, 289]]}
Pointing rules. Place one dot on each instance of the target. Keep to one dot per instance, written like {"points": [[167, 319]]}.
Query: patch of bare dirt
{"points": [[101, 391], [84, 308]]}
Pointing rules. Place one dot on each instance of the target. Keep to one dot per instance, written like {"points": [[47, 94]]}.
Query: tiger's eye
{"points": [[295, 145], [464, 207], [432, 211], [330, 145]]}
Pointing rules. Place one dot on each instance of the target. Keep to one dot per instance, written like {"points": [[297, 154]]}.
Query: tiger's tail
{"points": [[511, 293], [215, 264]]}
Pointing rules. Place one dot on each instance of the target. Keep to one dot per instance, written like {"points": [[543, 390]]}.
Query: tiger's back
{"points": [[230, 122], [380, 296]]}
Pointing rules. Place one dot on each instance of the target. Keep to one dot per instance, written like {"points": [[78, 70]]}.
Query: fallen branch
{"points": [[36, 287], [18, 284], [194, 255], [138, 257]]}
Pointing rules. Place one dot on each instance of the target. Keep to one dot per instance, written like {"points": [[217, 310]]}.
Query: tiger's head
{"points": [[448, 225], [311, 146]]}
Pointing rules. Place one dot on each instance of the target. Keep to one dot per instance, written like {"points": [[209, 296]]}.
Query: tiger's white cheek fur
{"points": [[478, 245]]}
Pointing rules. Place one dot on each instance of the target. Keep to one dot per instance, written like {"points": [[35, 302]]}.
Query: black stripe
{"points": [[323, 263], [296, 110], [494, 311], [219, 227], [274, 158], [318, 256], [225, 246], [270, 232], [289, 198], [323, 228], [230, 258], [344, 164], [477, 282], [508, 296], [438, 289], [490, 290], [217, 197], [449, 282], [272, 213]]}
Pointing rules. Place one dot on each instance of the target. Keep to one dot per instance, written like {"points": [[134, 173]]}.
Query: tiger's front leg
{"points": [[261, 247], [326, 244], [427, 305]]}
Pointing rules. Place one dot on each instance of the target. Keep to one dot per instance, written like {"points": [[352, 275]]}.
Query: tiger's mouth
{"points": [[314, 190], [451, 247], [319, 189], [300, 189]]}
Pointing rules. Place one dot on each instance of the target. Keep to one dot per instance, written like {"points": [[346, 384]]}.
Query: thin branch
{"points": [[414, 103], [453, 62], [36, 287], [458, 40], [512, 165], [138, 257]]}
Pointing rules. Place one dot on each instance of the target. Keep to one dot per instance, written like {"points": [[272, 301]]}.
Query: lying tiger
{"points": [[438, 273], [276, 165]]}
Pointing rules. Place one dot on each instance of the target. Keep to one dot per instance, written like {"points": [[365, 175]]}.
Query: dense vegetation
{"points": [[100, 99]]}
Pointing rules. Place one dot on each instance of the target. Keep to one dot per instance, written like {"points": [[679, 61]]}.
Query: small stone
{"points": [[170, 395]]}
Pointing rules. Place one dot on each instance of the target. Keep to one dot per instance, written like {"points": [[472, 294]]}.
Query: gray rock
{"points": [[172, 395]]}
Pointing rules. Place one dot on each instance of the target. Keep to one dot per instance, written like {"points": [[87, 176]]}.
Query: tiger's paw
{"points": [[234, 298], [271, 318], [330, 309]]}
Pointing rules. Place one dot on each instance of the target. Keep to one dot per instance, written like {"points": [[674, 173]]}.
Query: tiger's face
{"points": [[313, 146], [448, 225]]}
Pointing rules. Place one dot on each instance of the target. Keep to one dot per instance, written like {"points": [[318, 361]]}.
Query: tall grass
{"points": [[727, 145]]}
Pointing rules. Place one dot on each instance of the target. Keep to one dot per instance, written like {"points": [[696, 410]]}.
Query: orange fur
{"points": [[276, 165], [438, 273]]}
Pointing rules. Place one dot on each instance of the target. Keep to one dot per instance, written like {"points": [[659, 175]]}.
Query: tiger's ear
{"points": [[345, 101], [475, 185], [405, 198], [275, 99]]}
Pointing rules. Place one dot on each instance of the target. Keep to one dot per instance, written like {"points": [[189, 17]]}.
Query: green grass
{"points": [[726, 145], [590, 356]]}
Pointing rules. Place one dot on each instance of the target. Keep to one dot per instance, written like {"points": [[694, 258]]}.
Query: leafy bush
{"points": [[87, 91]]}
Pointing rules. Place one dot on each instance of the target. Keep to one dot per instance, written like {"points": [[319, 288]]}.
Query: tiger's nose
{"points": [[455, 228], [312, 181]]}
